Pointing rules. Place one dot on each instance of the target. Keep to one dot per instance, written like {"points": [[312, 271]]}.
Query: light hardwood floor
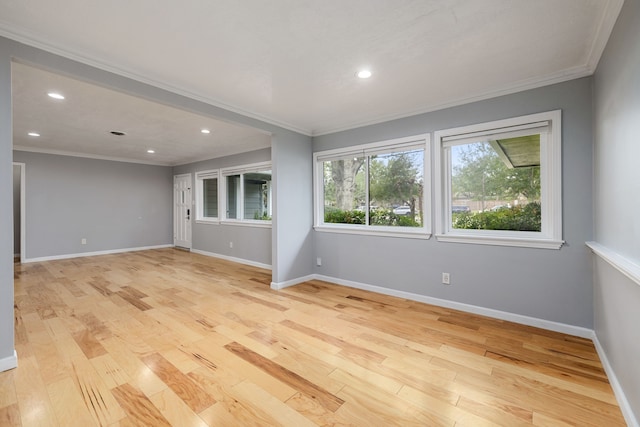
{"points": [[167, 337]]}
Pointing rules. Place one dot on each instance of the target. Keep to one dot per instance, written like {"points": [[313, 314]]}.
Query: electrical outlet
{"points": [[446, 279], [83, 241], [231, 245], [318, 261]]}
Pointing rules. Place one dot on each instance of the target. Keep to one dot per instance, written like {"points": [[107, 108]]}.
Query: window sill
{"points": [[523, 242], [208, 221], [405, 234], [246, 223]]}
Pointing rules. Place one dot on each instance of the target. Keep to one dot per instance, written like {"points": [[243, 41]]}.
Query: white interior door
{"points": [[182, 211]]}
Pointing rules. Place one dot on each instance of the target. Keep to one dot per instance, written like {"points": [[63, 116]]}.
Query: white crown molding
{"points": [[31, 39], [227, 154], [508, 89], [603, 32], [86, 156], [121, 159]]}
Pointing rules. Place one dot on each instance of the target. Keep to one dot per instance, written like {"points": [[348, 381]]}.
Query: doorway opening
{"points": [[182, 211]]}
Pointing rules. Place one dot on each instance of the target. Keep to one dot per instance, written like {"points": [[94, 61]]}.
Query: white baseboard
{"points": [[496, 314], [85, 254], [624, 404], [9, 362], [625, 407], [281, 285], [233, 259]]}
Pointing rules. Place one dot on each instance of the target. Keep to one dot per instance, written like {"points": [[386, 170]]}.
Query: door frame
{"points": [[190, 203], [23, 225]]}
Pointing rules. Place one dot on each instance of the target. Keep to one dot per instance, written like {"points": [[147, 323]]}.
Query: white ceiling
{"points": [[293, 62], [81, 124]]}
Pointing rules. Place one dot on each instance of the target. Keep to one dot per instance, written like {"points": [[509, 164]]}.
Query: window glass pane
{"points": [[210, 198], [233, 193], [257, 195], [495, 185], [344, 191], [396, 188]]}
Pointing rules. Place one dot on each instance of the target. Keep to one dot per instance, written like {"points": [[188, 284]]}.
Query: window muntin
{"points": [[500, 182], [248, 193], [207, 196], [377, 188]]}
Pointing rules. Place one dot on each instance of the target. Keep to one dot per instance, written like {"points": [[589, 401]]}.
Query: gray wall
{"points": [[293, 210], [114, 205], [6, 205], [288, 245], [16, 210], [617, 187], [249, 243], [554, 285], [297, 236]]}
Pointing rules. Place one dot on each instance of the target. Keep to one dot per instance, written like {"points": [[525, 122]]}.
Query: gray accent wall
{"points": [[617, 201], [293, 210], [249, 243], [113, 205], [287, 246], [554, 285], [6, 206]]}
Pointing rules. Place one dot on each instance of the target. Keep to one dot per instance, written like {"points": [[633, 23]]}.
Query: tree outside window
{"points": [[500, 182], [381, 188], [489, 192]]}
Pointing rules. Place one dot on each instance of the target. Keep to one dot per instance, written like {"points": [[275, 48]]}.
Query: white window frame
{"points": [[200, 177], [550, 236], [222, 195], [422, 141]]}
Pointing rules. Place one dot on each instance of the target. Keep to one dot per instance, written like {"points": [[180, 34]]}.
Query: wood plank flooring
{"points": [[170, 338]]}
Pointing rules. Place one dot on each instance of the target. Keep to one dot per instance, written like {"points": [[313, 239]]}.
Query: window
{"points": [[500, 182], [233, 194], [378, 188], [207, 196], [248, 193]]}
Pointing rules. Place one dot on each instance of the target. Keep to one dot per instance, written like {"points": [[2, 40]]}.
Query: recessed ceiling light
{"points": [[364, 74], [33, 134], [55, 95], [205, 131], [151, 151]]}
